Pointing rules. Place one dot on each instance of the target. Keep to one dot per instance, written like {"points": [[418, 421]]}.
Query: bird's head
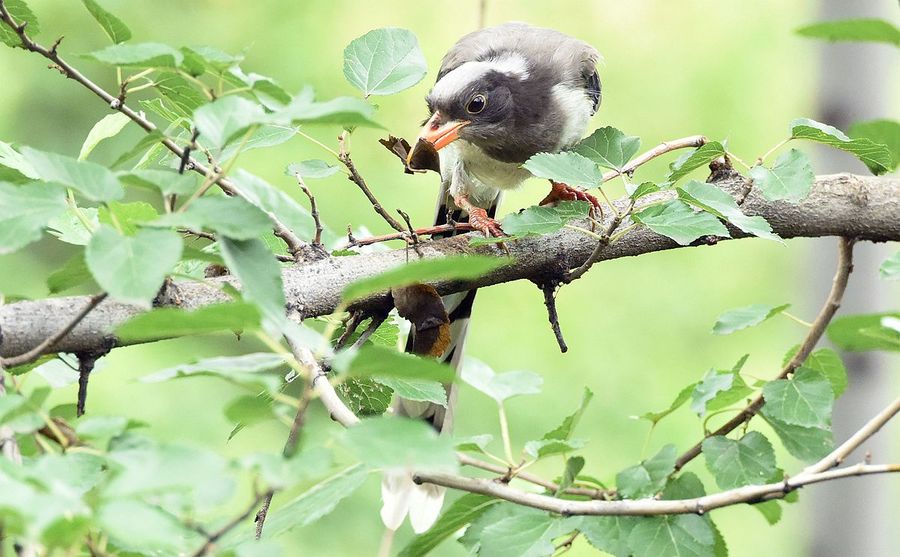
{"points": [[474, 102]]}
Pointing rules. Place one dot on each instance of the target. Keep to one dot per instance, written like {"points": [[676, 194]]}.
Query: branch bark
{"points": [[861, 207]]}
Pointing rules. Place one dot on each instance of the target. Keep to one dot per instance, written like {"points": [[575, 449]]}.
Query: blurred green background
{"points": [[638, 329]]}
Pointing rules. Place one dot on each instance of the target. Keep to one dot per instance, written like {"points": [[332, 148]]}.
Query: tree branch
{"points": [[832, 303], [355, 177]]}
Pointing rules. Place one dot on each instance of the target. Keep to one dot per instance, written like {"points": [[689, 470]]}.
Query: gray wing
{"points": [[573, 59]]}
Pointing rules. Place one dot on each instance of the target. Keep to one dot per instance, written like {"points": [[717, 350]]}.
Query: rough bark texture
{"points": [[838, 205]]}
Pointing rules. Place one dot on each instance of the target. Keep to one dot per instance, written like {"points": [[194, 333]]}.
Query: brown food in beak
{"points": [[424, 157]]}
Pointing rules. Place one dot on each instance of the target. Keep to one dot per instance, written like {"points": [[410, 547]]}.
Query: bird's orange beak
{"points": [[438, 132]]}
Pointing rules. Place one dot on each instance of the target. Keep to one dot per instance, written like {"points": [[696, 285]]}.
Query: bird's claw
{"points": [[565, 192], [480, 221]]}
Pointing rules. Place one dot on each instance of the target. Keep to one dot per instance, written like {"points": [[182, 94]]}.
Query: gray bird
{"points": [[502, 94]]}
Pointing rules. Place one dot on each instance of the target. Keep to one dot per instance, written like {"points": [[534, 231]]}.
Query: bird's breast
{"points": [[488, 170]]}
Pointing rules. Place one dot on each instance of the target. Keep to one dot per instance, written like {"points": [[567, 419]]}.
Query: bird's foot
{"points": [[565, 192], [480, 221]]}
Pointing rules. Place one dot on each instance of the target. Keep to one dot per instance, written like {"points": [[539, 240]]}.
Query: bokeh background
{"points": [[638, 329]]}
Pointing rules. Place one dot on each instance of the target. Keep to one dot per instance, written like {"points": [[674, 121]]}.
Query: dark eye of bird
{"points": [[477, 104]]}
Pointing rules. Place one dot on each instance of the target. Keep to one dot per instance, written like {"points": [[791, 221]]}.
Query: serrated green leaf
{"points": [[743, 317], [248, 410], [771, 511], [137, 526], [867, 30], [609, 533], [649, 477], [574, 465], [710, 198], [700, 156], [126, 216], [400, 443], [265, 89], [858, 333], [462, 512], [364, 396], [804, 400], [141, 55], [609, 147], [717, 390], [243, 370], [806, 443], [538, 219], [12, 159], [543, 448], [384, 61], [20, 13], [101, 427], [168, 182], [313, 168], [204, 57], [421, 390], [263, 136], [875, 156], [564, 430], [424, 270], [637, 192], [68, 227], [275, 202], [791, 178], [685, 535], [227, 119], [683, 396], [881, 132], [749, 461], [176, 322], [340, 111], [260, 275], [679, 222], [474, 443], [230, 217], [117, 31], [25, 211], [280, 472], [890, 269], [381, 362], [108, 126], [73, 273], [500, 386], [132, 268], [567, 167], [180, 95], [827, 362], [93, 181], [522, 532]]}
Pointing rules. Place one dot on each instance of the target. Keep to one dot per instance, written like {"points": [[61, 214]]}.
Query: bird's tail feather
{"points": [[400, 495]]}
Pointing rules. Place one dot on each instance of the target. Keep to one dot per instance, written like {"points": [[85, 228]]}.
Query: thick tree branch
{"points": [[860, 207]]}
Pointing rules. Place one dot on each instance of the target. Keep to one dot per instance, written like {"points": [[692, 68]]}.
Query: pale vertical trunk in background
{"points": [[855, 517]]}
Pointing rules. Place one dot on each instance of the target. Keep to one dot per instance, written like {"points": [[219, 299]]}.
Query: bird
{"points": [[502, 95]]}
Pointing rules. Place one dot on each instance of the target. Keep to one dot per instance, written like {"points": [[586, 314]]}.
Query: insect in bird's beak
{"points": [[437, 133]]}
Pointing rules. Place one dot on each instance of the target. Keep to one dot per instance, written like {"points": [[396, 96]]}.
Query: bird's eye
{"points": [[477, 104]]}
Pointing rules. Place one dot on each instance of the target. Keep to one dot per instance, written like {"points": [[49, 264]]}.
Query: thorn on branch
{"points": [[55, 46], [549, 289], [86, 363]]}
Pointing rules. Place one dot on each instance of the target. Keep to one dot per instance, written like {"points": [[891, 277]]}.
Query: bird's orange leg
{"points": [[479, 218], [565, 192]]}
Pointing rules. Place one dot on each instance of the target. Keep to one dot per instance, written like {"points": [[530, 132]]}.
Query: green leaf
{"points": [[649, 477], [749, 461], [73, 273], [108, 126], [126, 216], [227, 119], [401, 443], [424, 270], [827, 362], [175, 322], [373, 360], [421, 390], [791, 178], [565, 429], [685, 535], [132, 268], [364, 396], [263, 136], [202, 58], [804, 400], [340, 111], [181, 95], [474, 443], [701, 156], [609, 533], [867, 30], [637, 192], [747, 316], [500, 386], [679, 222], [20, 13], [230, 217], [265, 89], [882, 132], [384, 61], [280, 472], [101, 427], [574, 465], [542, 448], [95, 182], [538, 220], [117, 31], [142, 55], [771, 511], [462, 512], [12, 159], [609, 147], [567, 167], [168, 182], [522, 532], [875, 156], [806, 443], [719, 389], [242, 370], [683, 396], [25, 211], [710, 198], [858, 333], [140, 527], [890, 269], [68, 227], [260, 275], [248, 410], [314, 168], [275, 202]]}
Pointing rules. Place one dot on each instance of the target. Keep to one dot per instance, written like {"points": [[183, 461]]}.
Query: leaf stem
{"points": [[793, 317], [504, 433], [777, 146]]}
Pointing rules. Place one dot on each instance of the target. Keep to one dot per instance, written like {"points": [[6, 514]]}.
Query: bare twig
{"points": [[295, 245], [350, 326], [213, 537], [549, 290], [428, 231], [661, 149], [355, 177], [832, 303], [413, 236], [48, 344], [602, 244], [314, 211]]}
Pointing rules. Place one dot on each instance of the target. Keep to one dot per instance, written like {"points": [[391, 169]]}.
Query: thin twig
{"points": [[504, 471], [213, 537], [296, 246], [832, 303], [549, 290], [428, 231], [376, 322], [313, 210], [47, 345], [350, 326], [661, 149], [602, 243], [413, 236], [356, 178]]}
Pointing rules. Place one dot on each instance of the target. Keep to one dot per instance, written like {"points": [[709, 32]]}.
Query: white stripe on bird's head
{"points": [[462, 77]]}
